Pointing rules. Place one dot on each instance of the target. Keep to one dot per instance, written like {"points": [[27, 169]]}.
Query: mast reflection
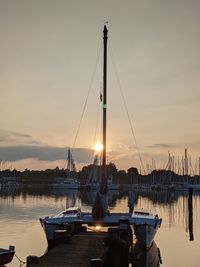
{"points": [[190, 215]]}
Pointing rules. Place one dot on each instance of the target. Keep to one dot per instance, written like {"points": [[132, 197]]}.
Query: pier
{"points": [[78, 252], [99, 249]]}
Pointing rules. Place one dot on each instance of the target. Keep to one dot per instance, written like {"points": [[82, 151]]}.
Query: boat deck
{"points": [[77, 253]]}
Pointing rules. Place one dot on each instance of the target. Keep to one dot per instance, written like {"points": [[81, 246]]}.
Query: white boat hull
{"points": [[68, 183], [145, 234], [145, 226]]}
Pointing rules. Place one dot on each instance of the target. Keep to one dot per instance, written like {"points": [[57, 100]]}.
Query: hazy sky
{"points": [[48, 51]]}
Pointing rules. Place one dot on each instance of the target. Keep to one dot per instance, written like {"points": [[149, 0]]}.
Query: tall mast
{"points": [[103, 187], [100, 205]]}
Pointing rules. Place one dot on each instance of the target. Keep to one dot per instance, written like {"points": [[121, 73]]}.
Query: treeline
{"points": [[131, 176]]}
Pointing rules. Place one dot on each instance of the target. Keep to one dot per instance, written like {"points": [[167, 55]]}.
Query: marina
{"points": [[99, 136]]}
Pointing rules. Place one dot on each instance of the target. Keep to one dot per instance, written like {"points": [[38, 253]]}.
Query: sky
{"points": [[51, 57]]}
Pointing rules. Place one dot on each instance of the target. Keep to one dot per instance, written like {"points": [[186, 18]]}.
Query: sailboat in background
{"points": [[71, 182], [93, 181], [144, 223]]}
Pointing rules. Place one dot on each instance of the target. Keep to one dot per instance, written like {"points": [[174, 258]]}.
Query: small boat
{"points": [[6, 255], [110, 185], [93, 182], [68, 183], [144, 223], [195, 187], [10, 182]]}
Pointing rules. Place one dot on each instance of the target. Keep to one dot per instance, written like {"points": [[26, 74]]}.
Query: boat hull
{"points": [[145, 225], [64, 186], [145, 234], [143, 258], [6, 256], [50, 228]]}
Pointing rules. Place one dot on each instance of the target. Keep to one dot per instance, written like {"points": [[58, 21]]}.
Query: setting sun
{"points": [[98, 147]]}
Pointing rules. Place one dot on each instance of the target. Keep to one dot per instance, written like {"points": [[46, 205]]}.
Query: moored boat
{"points": [[6, 255], [68, 183], [145, 227], [110, 185], [145, 223]]}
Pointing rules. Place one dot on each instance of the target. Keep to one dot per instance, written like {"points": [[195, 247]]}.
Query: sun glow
{"points": [[98, 227], [98, 147]]}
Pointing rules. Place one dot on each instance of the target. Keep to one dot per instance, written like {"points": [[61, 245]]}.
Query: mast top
{"points": [[105, 32]]}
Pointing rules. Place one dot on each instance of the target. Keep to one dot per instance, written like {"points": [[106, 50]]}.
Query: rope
{"points": [[85, 104], [86, 100], [21, 262], [126, 108], [97, 123]]}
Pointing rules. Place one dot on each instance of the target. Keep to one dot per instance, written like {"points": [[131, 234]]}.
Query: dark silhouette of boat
{"points": [[6, 255]]}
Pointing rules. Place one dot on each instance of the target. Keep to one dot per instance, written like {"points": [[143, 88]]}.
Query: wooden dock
{"points": [[77, 253]]}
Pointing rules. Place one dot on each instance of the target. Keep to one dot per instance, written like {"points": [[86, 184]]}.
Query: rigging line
{"points": [[86, 100], [21, 261], [167, 165], [126, 108], [97, 122]]}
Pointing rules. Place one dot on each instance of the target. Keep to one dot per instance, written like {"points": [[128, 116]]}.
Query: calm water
{"points": [[20, 213]]}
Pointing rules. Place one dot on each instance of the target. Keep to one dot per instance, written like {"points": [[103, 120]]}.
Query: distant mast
{"points": [[69, 160], [103, 186]]}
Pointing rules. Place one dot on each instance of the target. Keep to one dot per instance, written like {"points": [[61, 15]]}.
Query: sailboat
{"points": [[144, 223], [70, 182], [93, 182]]}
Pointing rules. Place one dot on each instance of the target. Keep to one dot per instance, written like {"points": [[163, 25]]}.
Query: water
{"points": [[20, 212]]}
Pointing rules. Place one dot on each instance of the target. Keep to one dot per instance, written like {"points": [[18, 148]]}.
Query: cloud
{"points": [[12, 138], [44, 153], [160, 145]]}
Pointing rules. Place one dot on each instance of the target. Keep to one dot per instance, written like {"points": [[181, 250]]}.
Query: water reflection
{"points": [[72, 196], [146, 258], [176, 208], [190, 214], [21, 208], [88, 197]]}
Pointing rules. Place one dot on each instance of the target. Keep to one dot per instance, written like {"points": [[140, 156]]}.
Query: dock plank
{"points": [[81, 249]]}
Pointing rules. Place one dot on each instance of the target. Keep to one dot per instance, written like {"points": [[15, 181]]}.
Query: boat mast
{"points": [[103, 186], [100, 207]]}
